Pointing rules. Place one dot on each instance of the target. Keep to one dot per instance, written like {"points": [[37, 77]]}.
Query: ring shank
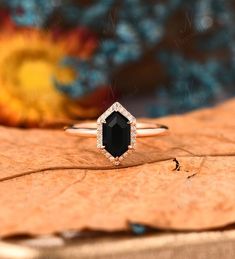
{"points": [[143, 129]]}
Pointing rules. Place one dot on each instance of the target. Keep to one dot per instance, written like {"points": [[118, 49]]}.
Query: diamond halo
{"points": [[116, 107]]}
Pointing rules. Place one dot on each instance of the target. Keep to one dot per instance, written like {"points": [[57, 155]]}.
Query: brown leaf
{"points": [[51, 182]]}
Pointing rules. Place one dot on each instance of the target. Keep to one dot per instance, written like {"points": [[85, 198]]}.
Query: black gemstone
{"points": [[116, 134]]}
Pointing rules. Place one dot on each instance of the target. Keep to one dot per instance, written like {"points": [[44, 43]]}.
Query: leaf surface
{"points": [[52, 182]]}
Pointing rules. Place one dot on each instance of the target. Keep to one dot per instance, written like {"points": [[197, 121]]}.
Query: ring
{"points": [[116, 131]]}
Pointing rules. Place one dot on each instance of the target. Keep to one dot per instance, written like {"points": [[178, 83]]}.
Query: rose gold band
{"points": [[144, 129]]}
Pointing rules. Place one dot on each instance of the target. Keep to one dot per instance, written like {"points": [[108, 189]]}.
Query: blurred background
{"points": [[64, 60]]}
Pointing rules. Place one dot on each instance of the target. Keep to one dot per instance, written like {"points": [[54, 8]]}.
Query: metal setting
{"points": [[116, 107], [94, 129]]}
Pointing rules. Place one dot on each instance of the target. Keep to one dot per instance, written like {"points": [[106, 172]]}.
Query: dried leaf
{"points": [[51, 182]]}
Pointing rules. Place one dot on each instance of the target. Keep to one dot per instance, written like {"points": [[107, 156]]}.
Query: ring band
{"points": [[89, 129], [116, 131]]}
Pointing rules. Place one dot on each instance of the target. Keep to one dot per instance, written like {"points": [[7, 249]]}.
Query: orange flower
{"points": [[28, 62]]}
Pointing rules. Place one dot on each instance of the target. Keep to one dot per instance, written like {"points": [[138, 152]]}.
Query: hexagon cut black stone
{"points": [[116, 134]]}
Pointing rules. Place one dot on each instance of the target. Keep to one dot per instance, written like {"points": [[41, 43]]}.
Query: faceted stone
{"points": [[116, 134]]}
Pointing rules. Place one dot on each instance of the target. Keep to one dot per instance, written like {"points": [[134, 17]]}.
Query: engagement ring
{"points": [[116, 131]]}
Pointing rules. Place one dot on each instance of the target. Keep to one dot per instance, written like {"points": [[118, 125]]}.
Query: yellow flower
{"points": [[29, 59]]}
